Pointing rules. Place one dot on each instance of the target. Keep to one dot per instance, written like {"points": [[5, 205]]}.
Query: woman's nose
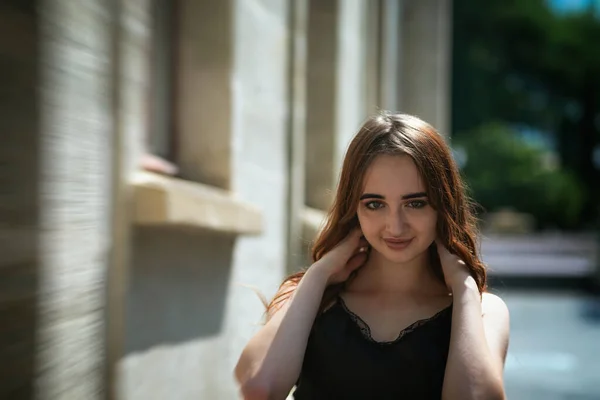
{"points": [[397, 223]]}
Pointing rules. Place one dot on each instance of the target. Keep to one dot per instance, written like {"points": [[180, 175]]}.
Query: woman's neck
{"points": [[380, 276]]}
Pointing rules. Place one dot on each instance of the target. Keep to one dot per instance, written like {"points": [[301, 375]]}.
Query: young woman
{"points": [[394, 305]]}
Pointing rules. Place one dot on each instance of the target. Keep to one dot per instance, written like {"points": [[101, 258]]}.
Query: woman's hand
{"points": [[455, 270], [343, 259]]}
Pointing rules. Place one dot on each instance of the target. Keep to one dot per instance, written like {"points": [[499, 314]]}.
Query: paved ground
{"points": [[554, 352]]}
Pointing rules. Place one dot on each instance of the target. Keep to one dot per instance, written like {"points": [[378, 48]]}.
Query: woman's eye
{"points": [[373, 205], [417, 204]]}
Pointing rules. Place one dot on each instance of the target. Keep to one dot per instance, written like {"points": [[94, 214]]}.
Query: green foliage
{"points": [[504, 171], [563, 199], [518, 62]]}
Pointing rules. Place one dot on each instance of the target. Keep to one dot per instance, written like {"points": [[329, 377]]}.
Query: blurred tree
{"points": [[505, 171], [521, 63]]}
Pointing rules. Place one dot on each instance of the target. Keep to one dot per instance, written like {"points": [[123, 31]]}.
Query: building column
{"points": [[425, 61], [351, 88], [297, 59], [321, 98], [390, 38], [337, 89], [75, 171]]}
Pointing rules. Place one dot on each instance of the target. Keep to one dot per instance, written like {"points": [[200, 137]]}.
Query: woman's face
{"points": [[394, 212]]}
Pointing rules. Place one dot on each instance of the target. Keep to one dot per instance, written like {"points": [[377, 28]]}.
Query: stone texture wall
{"points": [[75, 195], [54, 210]]}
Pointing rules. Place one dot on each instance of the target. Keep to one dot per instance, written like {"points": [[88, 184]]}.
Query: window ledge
{"points": [[312, 222], [167, 201]]}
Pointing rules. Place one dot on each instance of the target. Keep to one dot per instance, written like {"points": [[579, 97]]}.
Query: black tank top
{"points": [[342, 361]]}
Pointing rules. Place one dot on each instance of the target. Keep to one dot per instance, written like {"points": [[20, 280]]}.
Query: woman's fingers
{"points": [[439, 244], [445, 253], [356, 261], [352, 239], [441, 247], [362, 247]]}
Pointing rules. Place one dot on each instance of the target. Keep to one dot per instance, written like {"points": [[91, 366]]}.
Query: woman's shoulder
{"points": [[495, 316], [492, 304]]}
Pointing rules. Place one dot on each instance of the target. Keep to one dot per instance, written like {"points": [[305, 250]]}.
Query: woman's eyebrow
{"points": [[414, 195], [371, 196], [405, 197]]}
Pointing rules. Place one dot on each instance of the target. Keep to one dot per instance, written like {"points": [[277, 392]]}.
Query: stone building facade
{"points": [[127, 276]]}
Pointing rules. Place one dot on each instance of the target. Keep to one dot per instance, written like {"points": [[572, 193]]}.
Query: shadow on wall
{"points": [[177, 286], [20, 249]]}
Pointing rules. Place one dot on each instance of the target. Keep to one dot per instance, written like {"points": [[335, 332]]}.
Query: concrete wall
{"points": [[175, 327], [261, 161], [188, 315]]}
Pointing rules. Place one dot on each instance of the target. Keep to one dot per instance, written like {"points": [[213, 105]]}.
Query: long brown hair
{"points": [[399, 134]]}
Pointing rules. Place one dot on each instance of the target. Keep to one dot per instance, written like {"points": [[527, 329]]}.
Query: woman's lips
{"points": [[398, 244]]}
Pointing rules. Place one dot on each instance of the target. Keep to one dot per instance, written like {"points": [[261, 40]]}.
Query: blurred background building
{"points": [[162, 161]]}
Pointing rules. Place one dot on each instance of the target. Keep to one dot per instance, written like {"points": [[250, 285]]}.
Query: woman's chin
{"points": [[399, 256]]}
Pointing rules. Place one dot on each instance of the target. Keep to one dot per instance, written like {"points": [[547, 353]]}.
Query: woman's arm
{"points": [[270, 364], [478, 345]]}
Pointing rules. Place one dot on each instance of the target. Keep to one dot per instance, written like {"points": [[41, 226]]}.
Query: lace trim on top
{"points": [[366, 330]]}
